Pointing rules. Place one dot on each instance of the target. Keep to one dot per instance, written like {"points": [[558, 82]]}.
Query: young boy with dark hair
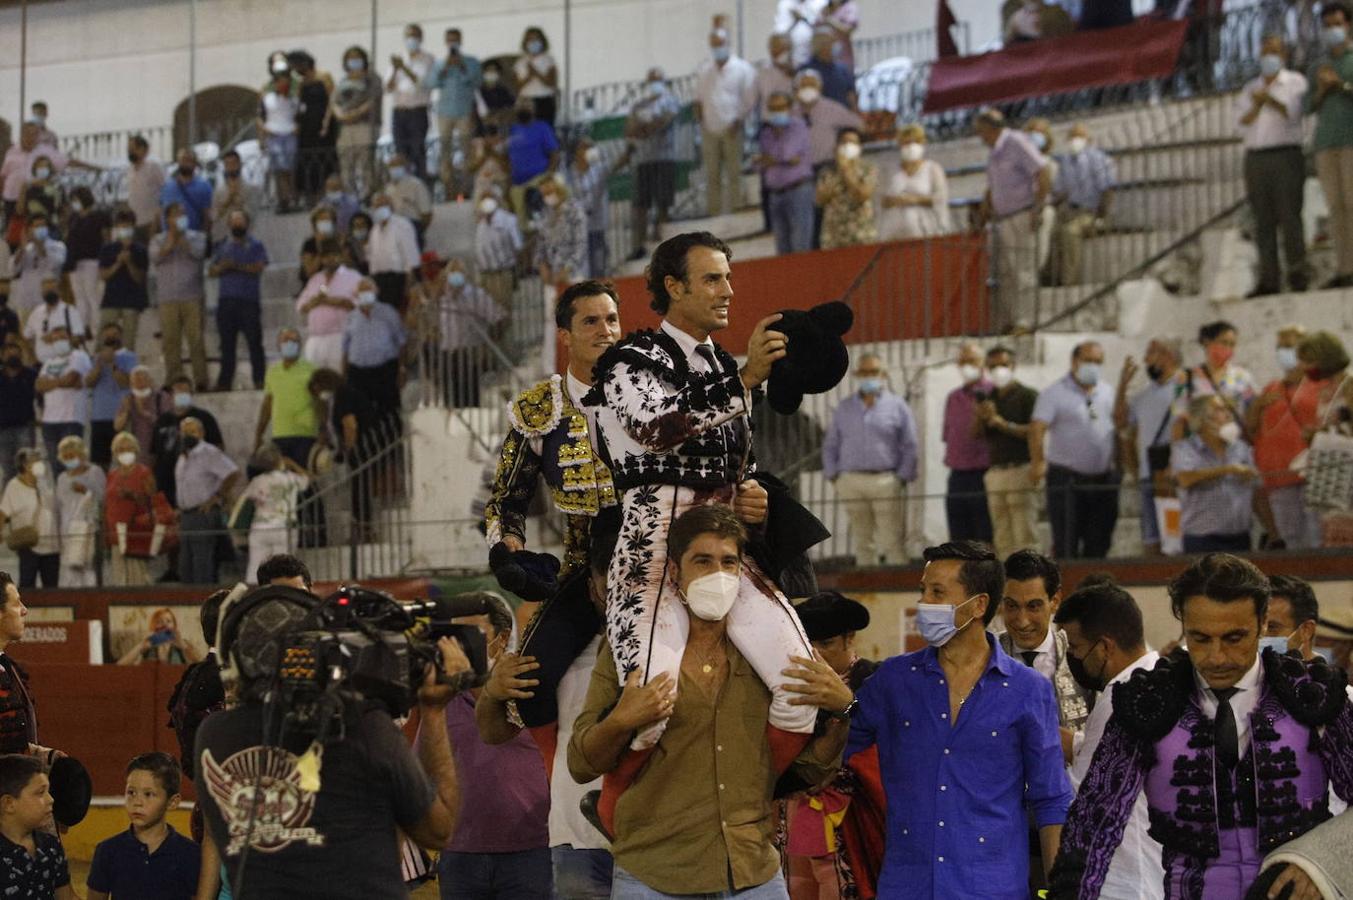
{"points": [[150, 859], [32, 863]]}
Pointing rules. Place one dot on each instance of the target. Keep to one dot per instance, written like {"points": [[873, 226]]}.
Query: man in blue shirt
{"points": [[190, 190], [373, 342], [532, 154], [967, 739], [838, 82], [239, 263], [456, 79], [108, 382]]}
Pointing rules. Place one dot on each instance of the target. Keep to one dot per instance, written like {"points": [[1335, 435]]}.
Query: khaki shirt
{"points": [[700, 808]]}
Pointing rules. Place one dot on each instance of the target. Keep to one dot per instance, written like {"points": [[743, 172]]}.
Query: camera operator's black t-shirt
{"points": [[337, 843]]}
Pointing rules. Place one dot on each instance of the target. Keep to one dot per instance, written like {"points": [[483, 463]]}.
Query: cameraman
{"points": [[339, 841]]}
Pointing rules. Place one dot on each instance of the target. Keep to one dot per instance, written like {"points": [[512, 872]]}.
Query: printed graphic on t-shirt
{"points": [[281, 810]]}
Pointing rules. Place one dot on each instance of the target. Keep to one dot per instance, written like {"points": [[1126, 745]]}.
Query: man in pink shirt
{"points": [[966, 454], [325, 303]]}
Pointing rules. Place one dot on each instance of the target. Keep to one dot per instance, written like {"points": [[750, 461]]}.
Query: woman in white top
{"points": [[916, 197], [276, 125], [275, 495], [27, 511], [537, 75], [79, 490]]}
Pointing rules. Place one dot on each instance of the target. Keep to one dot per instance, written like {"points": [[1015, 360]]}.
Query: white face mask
{"points": [[782, 58], [1077, 145], [141, 393], [38, 469], [126, 459], [711, 596], [551, 200], [969, 373], [366, 298], [592, 155], [1001, 376], [488, 206], [809, 95], [1230, 432], [913, 152], [850, 150]]}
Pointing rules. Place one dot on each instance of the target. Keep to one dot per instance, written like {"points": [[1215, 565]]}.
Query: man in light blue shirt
{"points": [[1075, 414], [1215, 470], [1083, 191], [108, 382], [868, 453], [373, 343], [456, 79], [1145, 419]]}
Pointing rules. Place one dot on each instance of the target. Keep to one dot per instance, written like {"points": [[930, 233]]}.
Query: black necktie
{"points": [[706, 352], [1029, 657], [1224, 729]]}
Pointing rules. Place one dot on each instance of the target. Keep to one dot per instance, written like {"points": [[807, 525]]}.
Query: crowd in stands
{"points": [[1207, 439]]}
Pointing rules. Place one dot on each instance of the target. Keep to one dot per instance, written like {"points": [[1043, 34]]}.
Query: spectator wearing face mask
{"points": [[826, 119], [1083, 185], [238, 264], [725, 93], [650, 130], [204, 481], [145, 182], [43, 193], [1214, 467], [1075, 415], [51, 322], [235, 193], [316, 131], [108, 382], [775, 74], [494, 100], [465, 317], [838, 82], [323, 227], [1039, 131], [1331, 100], [287, 404], [561, 248], [373, 347], [409, 196], [86, 224], [915, 202], [1217, 374], [456, 78], [392, 253], [278, 109], [533, 156], [587, 176], [1145, 422], [39, 258], [17, 394], [1277, 418], [342, 202], [498, 244], [177, 254], [967, 455], [324, 305], [190, 191], [410, 98], [79, 493], [1005, 417], [276, 493], [356, 104], [787, 174], [537, 75], [354, 248], [28, 520], [845, 194], [140, 409], [128, 496], [17, 167], [164, 444], [123, 266], [61, 385]]}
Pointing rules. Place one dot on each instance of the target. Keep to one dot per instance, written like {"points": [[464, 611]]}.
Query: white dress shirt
{"points": [[576, 391], [1045, 663], [698, 362], [410, 93], [1243, 701], [727, 93], [1272, 128], [1135, 872], [392, 246]]}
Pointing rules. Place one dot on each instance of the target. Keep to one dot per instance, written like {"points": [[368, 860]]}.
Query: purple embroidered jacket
{"points": [[1214, 826]]}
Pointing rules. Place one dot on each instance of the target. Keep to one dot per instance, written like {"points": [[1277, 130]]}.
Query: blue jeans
{"points": [[627, 887], [596, 254], [524, 875], [581, 874], [791, 218]]}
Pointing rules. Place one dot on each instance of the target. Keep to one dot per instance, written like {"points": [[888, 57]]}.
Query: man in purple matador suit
{"points": [[1235, 749]]}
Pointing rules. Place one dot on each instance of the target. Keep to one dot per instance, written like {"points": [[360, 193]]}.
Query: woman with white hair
{"points": [[79, 489], [28, 520], [561, 250], [141, 406], [129, 519]]}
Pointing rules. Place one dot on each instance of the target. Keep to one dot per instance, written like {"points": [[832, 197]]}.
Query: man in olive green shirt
{"points": [[288, 403], [1331, 98], [696, 818]]}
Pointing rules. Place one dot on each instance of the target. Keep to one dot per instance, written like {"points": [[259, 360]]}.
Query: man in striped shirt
{"points": [[497, 243]]}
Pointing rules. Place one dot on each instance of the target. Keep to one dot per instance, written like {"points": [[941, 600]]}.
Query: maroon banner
{"points": [[1141, 51]]}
